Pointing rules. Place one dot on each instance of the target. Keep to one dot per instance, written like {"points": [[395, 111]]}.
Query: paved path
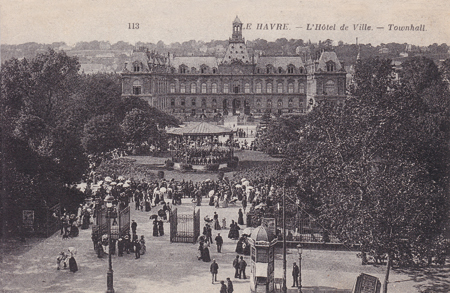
{"points": [[174, 267]]}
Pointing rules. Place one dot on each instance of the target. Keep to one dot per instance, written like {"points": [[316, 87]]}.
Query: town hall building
{"points": [[239, 83]]}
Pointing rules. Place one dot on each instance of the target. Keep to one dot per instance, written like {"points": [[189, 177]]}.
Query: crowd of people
{"points": [[205, 155]]}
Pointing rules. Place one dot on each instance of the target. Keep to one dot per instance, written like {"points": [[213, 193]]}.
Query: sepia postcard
{"points": [[131, 39]]}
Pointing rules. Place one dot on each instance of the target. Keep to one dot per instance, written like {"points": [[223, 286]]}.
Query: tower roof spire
{"points": [[237, 20]]}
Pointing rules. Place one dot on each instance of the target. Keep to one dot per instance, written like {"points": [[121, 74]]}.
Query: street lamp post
{"points": [[110, 274], [299, 250], [284, 289]]}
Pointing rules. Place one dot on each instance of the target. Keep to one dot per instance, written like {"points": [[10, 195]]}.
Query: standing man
{"points": [[242, 266], [209, 233], [236, 266], [219, 242], [229, 286], [223, 287], [214, 269], [133, 227], [295, 273], [137, 249]]}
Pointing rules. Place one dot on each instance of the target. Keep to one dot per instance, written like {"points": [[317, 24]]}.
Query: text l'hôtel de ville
{"points": [[335, 27]]}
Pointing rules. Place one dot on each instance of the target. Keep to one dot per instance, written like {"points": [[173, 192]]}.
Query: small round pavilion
{"points": [[201, 143]]}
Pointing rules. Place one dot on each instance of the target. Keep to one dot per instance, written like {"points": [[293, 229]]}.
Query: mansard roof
{"points": [[326, 57], [279, 61], [140, 57], [196, 62]]}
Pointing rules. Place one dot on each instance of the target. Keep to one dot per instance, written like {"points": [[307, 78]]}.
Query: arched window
{"points": [[280, 103], [258, 102], [182, 69], [214, 103], [214, 88], [280, 88], [258, 70], [225, 88], [291, 88], [280, 70], [172, 102], [330, 88], [247, 88], [290, 103], [269, 88], [268, 69], [183, 102], [301, 69], [291, 69], [214, 70], [301, 88], [172, 88], [193, 70], [258, 88], [137, 87], [203, 69], [269, 103], [193, 88], [193, 102], [203, 103], [182, 88], [203, 88]]}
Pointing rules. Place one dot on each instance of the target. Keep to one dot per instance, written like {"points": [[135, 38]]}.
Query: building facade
{"points": [[239, 83]]}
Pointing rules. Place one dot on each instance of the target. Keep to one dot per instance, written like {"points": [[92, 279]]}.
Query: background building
{"points": [[239, 83]]}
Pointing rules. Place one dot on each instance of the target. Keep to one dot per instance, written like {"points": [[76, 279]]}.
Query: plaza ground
{"points": [[173, 267]]}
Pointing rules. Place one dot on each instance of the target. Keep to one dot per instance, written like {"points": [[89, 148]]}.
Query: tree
{"points": [[138, 127], [378, 167], [101, 134]]}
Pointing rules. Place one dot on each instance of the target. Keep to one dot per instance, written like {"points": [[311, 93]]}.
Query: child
{"points": [[224, 223], [61, 258]]}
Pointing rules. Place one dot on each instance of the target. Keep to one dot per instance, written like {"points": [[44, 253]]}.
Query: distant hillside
{"points": [[100, 56]]}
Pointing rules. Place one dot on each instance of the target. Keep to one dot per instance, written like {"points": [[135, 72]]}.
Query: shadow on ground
{"points": [[430, 280]]}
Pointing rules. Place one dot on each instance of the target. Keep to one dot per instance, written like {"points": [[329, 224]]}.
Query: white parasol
{"points": [[108, 179], [113, 183], [246, 183], [211, 192], [244, 179], [162, 189], [126, 185], [238, 186], [121, 178]]}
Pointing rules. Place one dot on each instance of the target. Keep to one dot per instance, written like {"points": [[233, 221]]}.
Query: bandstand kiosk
{"points": [[262, 255]]}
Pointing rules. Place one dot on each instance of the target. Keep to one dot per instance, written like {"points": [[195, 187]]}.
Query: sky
{"points": [[72, 21]]}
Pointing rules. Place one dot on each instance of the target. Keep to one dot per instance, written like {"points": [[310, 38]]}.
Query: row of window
{"points": [[237, 88], [269, 69], [225, 103]]}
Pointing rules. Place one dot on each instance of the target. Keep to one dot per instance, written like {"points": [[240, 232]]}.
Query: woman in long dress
{"points": [[205, 253], [216, 222], [72, 262], [240, 217], [155, 228], [200, 250]]}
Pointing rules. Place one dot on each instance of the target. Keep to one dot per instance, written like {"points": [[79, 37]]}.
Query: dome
{"points": [[260, 234]]}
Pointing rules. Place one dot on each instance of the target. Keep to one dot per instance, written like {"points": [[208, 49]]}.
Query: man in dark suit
{"points": [[295, 273], [219, 242], [214, 269], [236, 266], [242, 266]]}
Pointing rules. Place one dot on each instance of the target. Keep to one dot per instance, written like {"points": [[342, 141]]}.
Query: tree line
{"points": [[54, 119]]}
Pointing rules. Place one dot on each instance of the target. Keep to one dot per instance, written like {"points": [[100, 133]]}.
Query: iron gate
{"points": [[184, 228]]}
